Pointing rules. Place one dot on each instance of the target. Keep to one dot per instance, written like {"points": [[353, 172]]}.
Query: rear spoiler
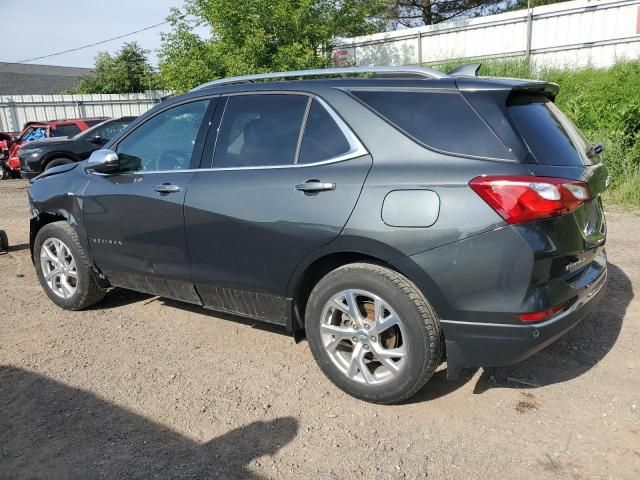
{"points": [[507, 85], [468, 82], [468, 70], [548, 89]]}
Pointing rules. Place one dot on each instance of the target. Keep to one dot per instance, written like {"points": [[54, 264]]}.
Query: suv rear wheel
{"points": [[373, 333], [63, 268]]}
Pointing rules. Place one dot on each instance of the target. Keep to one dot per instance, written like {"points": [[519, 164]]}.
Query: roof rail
{"points": [[426, 72]]}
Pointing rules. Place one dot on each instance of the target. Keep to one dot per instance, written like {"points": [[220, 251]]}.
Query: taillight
{"points": [[520, 199], [537, 316]]}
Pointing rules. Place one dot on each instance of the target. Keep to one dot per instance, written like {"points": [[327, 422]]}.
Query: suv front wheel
{"points": [[373, 333], [63, 267]]}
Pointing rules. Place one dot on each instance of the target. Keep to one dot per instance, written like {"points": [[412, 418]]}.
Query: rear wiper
{"points": [[596, 149]]}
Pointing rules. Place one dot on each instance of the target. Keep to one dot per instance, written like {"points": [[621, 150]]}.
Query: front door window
{"points": [[165, 142]]}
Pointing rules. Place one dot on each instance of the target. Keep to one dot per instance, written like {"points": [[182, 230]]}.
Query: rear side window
{"points": [[549, 134], [66, 130], [260, 130], [323, 139], [440, 120]]}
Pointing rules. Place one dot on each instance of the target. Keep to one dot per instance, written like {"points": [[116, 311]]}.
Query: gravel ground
{"points": [[141, 387]]}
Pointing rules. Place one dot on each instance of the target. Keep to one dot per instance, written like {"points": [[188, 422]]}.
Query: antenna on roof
{"points": [[468, 70]]}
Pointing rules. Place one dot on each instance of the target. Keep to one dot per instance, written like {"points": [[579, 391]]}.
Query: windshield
{"points": [[33, 134], [88, 131], [107, 129]]}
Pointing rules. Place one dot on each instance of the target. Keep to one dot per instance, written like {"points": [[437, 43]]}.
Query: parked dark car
{"points": [[397, 221], [36, 157], [37, 131]]}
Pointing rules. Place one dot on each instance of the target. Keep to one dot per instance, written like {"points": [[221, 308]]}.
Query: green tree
{"points": [[414, 13], [259, 36], [520, 4], [128, 71]]}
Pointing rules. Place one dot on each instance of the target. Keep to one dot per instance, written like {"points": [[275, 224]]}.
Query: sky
{"points": [[32, 28]]}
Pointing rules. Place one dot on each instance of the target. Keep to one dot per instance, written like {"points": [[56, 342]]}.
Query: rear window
{"points": [[549, 134], [440, 120]]}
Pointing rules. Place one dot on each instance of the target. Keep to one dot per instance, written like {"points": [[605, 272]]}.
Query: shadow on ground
{"points": [[15, 248], [18, 247], [571, 356], [119, 297], [50, 430]]}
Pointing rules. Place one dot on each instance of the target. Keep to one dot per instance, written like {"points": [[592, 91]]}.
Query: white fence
{"points": [[16, 110], [568, 34]]}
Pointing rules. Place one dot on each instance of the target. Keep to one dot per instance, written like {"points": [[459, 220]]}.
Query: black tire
{"points": [[423, 333], [4, 241], [3, 173], [87, 291], [56, 162]]}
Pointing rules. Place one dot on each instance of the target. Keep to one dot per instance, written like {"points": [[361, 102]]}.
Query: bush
{"points": [[604, 103]]}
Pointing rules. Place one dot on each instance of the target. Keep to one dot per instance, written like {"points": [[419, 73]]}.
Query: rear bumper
{"points": [[471, 344]]}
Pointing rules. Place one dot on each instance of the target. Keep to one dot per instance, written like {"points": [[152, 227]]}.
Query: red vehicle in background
{"points": [[33, 131], [6, 140]]}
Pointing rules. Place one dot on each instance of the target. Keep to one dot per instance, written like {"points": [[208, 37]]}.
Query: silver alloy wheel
{"points": [[363, 336], [59, 267]]}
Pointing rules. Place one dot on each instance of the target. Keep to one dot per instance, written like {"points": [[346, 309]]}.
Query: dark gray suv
{"points": [[398, 217]]}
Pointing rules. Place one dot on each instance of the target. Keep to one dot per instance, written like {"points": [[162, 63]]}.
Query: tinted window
{"points": [[66, 130], [164, 142], [322, 138], [442, 120], [550, 136], [260, 130]]}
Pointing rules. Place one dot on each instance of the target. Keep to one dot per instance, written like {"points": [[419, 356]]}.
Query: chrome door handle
{"points": [[166, 188], [311, 186]]}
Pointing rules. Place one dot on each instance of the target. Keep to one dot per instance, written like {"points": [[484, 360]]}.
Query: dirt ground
{"points": [[141, 387]]}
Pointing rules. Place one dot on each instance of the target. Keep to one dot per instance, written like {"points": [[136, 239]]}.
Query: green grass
{"points": [[603, 102]]}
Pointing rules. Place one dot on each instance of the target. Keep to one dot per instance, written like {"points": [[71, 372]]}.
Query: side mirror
{"points": [[97, 139], [103, 160]]}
